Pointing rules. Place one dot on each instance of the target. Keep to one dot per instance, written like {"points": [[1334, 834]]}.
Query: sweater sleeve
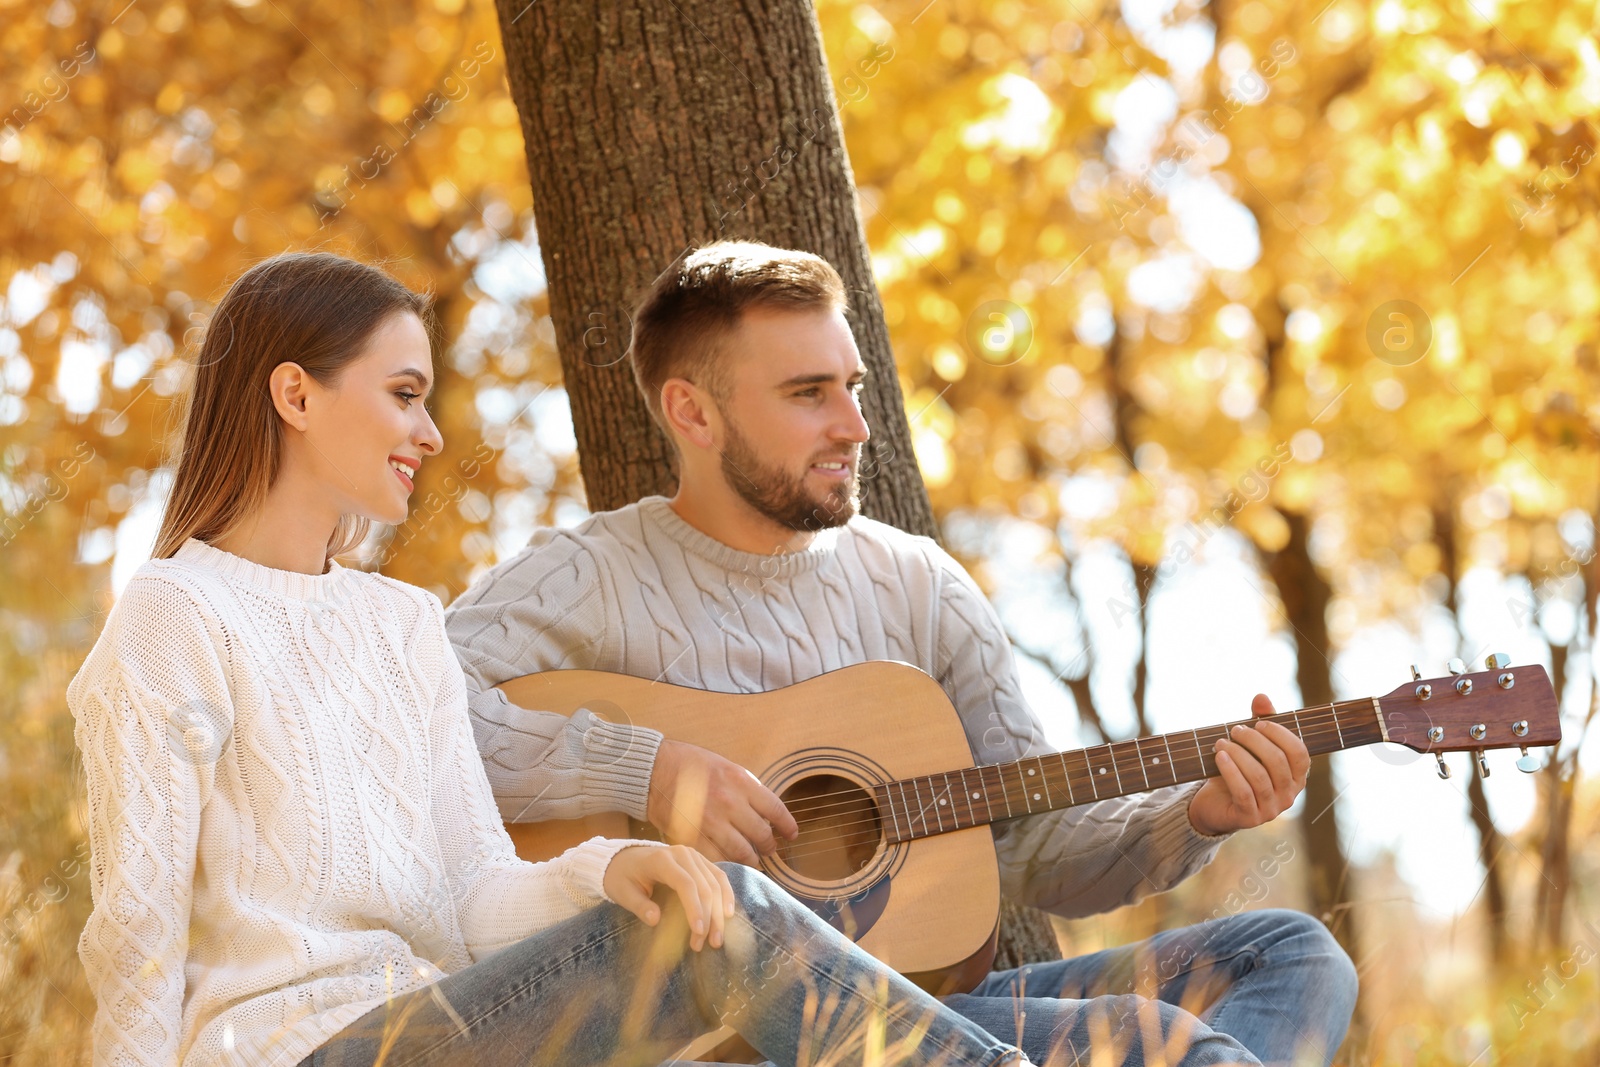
{"points": [[1073, 861], [500, 898], [152, 711], [544, 609]]}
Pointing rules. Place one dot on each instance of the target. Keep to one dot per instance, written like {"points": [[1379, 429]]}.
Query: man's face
{"points": [[791, 411]]}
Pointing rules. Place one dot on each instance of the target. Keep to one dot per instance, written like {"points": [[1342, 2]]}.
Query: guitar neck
{"points": [[956, 800]]}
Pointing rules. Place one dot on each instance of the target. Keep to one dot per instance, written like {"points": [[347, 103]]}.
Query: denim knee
{"points": [[752, 890], [763, 904], [1309, 942], [1128, 1017]]}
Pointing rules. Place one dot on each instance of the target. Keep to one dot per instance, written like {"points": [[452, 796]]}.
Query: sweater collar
{"points": [[779, 565], [291, 584]]}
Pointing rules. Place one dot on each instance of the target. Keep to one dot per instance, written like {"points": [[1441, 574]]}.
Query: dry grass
{"points": [[1430, 997]]}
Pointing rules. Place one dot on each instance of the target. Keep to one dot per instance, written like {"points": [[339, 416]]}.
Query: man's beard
{"points": [[782, 497]]}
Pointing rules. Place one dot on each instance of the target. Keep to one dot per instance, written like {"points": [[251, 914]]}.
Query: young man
{"points": [[759, 573]]}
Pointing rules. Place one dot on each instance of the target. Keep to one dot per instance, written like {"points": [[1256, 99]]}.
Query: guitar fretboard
{"points": [[956, 800]]}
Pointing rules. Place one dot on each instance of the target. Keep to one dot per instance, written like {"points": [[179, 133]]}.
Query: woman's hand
{"points": [[702, 888]]}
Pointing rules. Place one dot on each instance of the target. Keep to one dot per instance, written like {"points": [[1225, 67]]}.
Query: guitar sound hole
{"points": [[839, 827]]}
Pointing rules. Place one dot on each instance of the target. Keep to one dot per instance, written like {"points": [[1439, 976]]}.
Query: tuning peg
{"points": [[1482, 763], [1416, 675], [1527, 764], [1499, 661], [1456, 665], [1444, 768]]}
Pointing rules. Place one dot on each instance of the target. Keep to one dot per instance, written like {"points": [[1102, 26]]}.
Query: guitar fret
{"points": [[1098, 773], [1084, 773], [888, 799], [1024, 783], [1094, 763]]}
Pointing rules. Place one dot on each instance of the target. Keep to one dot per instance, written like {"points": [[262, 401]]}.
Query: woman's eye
{"points": [[408, 397]]}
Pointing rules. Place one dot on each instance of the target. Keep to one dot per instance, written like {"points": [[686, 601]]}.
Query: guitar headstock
{"points": [[1502, 707]]}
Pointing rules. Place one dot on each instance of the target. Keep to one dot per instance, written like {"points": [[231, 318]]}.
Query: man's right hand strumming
{"points": [[698, 798]]}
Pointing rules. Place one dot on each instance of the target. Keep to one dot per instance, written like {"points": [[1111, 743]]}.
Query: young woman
{"points": [[296, 858]]}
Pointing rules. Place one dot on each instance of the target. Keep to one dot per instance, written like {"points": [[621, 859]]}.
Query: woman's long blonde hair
{"points": [[311, 308]]}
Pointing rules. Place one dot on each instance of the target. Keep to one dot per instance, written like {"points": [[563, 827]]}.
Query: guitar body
{"points": [[928, 908]]}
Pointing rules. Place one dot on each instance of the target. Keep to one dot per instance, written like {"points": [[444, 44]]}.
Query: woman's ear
{"points": [[687, 411], [290, 386]]}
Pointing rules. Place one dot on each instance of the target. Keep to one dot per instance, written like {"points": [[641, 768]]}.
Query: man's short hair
{"points": [[679, 326]]}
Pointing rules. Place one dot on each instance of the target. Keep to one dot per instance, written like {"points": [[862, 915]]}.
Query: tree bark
{"points": [[652, 128], [658, 126], [1305, 595], [1490, 844], [1126, 410]]}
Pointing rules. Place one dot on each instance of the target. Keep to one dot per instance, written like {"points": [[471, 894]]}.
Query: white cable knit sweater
{"points": [[289, 820]]}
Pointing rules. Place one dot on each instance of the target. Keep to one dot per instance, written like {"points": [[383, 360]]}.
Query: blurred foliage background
{"points": [[1176, 289]]}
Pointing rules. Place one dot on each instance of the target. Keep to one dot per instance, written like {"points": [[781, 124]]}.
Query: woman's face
{"points": [[367, 434]]}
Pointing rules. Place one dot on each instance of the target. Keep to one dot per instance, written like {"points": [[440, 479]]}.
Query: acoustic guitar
{"points": [[895, 849]]}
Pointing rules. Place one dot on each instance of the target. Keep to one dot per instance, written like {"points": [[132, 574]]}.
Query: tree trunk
{"points": [[1126, 410], [1305, 595], [654, 127], [1561, 776], [1555, 856], [1490, 845], [1489, 842]]}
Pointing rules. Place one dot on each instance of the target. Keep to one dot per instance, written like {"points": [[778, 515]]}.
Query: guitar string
{"points": [[1311, 731], [1122, 761], [810, 806], [1318, 728], [867, 832]]}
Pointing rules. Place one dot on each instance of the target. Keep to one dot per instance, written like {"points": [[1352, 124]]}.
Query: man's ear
{"points": [[688, 410], [290, 387]]}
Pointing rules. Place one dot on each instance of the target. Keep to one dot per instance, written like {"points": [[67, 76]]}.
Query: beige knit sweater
{"points": [[288, 817], [639, 591]]}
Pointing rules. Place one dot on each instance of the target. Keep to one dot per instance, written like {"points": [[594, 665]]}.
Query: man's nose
{"points": [[853, 426]]}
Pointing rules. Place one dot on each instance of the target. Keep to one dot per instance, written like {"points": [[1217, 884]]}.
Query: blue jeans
{"points": [[603, 988], [1269, 987]]}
